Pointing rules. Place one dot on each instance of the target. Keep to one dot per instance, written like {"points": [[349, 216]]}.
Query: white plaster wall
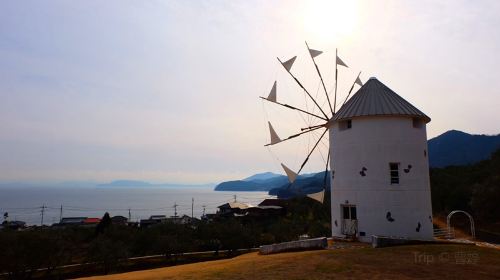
{"points": [[374, 142]]}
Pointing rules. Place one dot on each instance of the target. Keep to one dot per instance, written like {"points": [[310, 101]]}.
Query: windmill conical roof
{"points": [[376, 99]]}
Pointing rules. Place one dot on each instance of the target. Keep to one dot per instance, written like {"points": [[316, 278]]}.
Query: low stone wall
{"points": [[308, 244]]}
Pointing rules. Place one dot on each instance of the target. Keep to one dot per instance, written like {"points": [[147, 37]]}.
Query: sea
{"points": [[28, 203]]}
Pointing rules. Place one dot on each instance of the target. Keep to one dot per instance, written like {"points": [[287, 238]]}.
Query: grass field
{"points": [[404, 262]]}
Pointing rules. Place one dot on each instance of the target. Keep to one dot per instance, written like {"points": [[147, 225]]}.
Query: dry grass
{"points": [[405, 262]]}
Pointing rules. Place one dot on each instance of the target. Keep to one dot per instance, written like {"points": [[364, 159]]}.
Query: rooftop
{"points": [[234, 204], [376, 99], [91, 220]]}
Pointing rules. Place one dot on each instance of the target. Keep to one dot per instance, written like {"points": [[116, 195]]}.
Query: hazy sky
{"points": [[167, 91]]}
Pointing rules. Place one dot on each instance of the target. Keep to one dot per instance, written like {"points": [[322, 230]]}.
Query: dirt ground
{"points": [[359, 262]]}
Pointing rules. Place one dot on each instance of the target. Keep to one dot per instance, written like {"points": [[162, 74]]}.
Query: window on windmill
{"points": [[347, 124], [394, 172], [418, 123], [345, 211], [349, 212], [353, 213]]}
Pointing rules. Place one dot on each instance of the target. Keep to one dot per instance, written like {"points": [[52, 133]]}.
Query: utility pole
{"points": [[192, 207], [43, 211], [60, 214]]}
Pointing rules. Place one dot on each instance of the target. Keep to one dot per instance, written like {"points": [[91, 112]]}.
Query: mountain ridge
{"points": [[456, 147]]}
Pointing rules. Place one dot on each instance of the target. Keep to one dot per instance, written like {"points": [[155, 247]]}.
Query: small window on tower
{"points": [[394, 172], [418, 123], [347, 124]]}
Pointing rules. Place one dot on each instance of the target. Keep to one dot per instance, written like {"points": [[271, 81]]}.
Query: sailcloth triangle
{"points": [[274, 136], [272, 94], [291, 175], [288, 64], [314, 53], [340, 62], [319, 196], [358, 81]]}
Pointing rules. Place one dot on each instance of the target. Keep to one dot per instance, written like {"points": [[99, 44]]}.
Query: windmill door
{"points": [[349, 220]]}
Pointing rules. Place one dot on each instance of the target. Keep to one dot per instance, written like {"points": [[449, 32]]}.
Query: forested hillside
{"points": [[459, 148], [474, 188]]}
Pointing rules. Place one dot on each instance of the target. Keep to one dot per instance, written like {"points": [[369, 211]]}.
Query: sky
{"points": [[167, 91]]}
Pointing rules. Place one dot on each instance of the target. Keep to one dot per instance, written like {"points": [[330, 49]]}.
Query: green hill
{"points": [[459, 148], [473, 188]]}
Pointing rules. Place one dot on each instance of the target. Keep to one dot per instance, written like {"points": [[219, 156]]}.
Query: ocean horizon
{"points": [[25, 203]]}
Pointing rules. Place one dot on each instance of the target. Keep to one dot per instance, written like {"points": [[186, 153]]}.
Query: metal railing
{"points": [[472, 228], [448, 233], [349, 227]]}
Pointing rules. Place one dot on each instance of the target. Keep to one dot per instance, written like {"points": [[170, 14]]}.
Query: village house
{"points": [[238, 209], [265, 211], [72, 221], [274, 202], [13, 225], [183, 220], [91, 222], [119, 220], [231, 209], [78, 221], [152, 220]]}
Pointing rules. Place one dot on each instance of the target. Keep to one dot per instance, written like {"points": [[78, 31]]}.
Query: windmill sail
{"points": [[340, 62], [291, 175], [274, 136], [314, 53], [358, 81], [319, 196], [289, 63], [272, 94]]}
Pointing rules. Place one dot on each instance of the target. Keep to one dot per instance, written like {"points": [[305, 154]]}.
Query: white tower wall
{"points": [[373, 142]]}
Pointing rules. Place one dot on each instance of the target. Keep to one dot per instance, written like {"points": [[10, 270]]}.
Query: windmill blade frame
{"points": [[319, 74], [292, 136], [272, 97], [303, 88]]}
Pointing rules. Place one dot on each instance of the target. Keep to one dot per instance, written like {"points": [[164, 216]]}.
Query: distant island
{"points": [[276, 184], [258, 182], [450, 148], [126, 183]]}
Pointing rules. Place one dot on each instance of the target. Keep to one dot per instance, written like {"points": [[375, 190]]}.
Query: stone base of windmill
{"points": [[388, 241], [300, 245]]}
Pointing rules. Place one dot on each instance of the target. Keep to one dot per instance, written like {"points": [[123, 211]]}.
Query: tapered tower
{"points": [[380, 167]]}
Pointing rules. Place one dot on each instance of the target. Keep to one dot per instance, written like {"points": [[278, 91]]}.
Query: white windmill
{"points": [[378, 157]]}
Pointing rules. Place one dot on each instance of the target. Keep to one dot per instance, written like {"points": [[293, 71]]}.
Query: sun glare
{"points": [[330, 19]]}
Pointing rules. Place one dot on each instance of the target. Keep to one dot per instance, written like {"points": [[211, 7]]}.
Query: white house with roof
{"points": [[232, 208], [380, 172]]}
